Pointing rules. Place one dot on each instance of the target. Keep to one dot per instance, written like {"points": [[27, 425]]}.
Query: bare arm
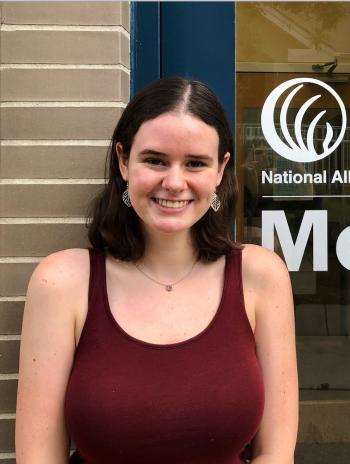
{"points": [[275, 344], [46, 356]]}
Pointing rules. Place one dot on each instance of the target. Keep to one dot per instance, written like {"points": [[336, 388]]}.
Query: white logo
{"points": [[297, 150]]}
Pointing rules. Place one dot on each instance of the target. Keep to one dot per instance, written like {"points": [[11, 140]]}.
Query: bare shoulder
{"points": [[62, 272], [262, 267], [62, 266]]}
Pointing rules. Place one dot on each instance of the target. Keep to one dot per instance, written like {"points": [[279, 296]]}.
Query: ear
{"points": [[123, 161], [222, 166]]}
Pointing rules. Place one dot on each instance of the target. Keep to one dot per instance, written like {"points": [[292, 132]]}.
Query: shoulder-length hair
{"points": [[113, 226]]}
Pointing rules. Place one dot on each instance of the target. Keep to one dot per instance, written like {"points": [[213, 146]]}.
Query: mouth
{"points": [[171, 203]]}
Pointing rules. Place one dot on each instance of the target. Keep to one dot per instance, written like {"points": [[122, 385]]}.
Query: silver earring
{"points": [[215, 202], [125, 196]]}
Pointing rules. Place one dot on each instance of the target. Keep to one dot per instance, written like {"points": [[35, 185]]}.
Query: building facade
{"points": [[282, 72]]}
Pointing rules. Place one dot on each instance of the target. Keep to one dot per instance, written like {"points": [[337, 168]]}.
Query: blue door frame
{"points": [[194, 39]]}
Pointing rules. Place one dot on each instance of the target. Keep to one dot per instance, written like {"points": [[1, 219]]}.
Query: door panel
{"points": [[277, 42]]}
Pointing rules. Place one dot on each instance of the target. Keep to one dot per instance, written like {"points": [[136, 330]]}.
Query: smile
{"points": [[171, 203]]}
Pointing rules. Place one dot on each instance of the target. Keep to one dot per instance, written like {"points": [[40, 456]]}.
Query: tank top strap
{"points": [[94, 321], [235, 262], [234, 295], [234, 287], [97, 278]]}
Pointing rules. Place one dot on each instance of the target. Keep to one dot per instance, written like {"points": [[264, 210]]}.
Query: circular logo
{"points": [[296, 149]]}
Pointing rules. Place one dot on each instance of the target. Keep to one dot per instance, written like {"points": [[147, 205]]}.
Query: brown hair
{"points": [[116, 228]]}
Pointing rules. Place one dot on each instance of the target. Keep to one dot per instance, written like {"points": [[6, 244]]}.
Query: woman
{"points": [[166, 342]]}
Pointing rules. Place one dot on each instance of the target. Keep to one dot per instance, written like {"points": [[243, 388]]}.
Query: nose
{"points": [[174, 179]]}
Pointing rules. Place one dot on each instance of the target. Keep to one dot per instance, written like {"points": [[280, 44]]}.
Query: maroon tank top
{"points": [[199, 401]]}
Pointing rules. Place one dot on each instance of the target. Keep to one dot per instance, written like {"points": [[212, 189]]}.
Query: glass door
{"points": [[293, 165]]}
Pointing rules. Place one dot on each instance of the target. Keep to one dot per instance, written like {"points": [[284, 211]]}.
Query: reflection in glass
{"points": [[275, 42]]}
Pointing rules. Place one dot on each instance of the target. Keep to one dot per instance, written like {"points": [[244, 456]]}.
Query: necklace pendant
{"points": [[169, 288]]}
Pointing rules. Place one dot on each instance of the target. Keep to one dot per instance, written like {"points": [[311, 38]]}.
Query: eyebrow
{"points": [[148, 151]]}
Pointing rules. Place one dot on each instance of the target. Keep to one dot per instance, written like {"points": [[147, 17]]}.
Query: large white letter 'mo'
{"points": [[294, 252]]}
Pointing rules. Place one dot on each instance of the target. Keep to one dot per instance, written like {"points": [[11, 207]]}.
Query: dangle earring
{"points": [[125, 196], [215, 202]]}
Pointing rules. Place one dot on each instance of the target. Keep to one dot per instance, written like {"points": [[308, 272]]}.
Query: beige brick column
{"points": [[64, 81]]}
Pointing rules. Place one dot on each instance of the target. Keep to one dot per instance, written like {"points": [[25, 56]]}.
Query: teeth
{"points": [[171, 204]]}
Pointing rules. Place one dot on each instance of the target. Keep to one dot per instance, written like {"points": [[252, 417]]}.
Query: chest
{"points": [[145, 310]]}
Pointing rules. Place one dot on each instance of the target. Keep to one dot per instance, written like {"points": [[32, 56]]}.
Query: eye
{"points": [[154, 161], [196, 164]]}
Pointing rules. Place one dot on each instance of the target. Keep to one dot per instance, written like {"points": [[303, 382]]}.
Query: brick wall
{"points": [[64, 80]]}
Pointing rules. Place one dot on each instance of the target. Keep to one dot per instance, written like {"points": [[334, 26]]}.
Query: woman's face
{"points": [[172, 171]]}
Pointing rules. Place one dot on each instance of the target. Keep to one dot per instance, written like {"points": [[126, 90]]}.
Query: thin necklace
{"points": [[168, 287]]}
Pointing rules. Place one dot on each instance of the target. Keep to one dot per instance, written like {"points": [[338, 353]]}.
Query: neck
{"points": [[168, 256]]}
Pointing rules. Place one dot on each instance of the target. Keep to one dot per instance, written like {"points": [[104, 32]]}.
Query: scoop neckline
{"points": [[164, 345]]}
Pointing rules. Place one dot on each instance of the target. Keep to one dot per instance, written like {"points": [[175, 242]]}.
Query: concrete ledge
{"points": [[87, 13], [65, 47], [324, 421], [67, 122], [11, 314], [41, 239], [325, 453], [45, 200], [7, 435], [14, 278], [8, 396], [9, 356], [51, 161], [64, 85]]}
